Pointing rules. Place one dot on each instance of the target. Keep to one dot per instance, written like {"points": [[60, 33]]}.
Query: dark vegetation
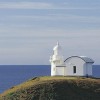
{"points": [[55, 88]]}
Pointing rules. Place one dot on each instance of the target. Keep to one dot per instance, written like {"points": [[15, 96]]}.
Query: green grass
{"points": [[55, 88]]}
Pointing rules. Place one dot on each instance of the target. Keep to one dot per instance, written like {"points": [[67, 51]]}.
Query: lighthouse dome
{"points": [[57, 47]]}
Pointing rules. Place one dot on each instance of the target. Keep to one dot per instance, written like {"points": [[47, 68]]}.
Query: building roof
{"points": [[86, 59]]}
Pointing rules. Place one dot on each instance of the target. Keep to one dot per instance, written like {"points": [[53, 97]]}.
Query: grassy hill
{"points": [[55, 88]]}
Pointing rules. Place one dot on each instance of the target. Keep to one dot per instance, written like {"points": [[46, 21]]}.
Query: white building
{"points": [[72, 66]]}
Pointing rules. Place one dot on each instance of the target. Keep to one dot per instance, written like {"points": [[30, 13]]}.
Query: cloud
{"points": [[26, 45], [40, 5], [25, 5], [56, 17]]}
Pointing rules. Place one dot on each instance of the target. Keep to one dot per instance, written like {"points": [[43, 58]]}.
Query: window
{"points": [[74, 69]]}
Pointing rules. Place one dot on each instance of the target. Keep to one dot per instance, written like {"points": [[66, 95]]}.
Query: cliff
{"points": [[55, 88]]}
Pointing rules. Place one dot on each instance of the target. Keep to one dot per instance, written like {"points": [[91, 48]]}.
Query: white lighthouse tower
{"points": [[57, 61]]}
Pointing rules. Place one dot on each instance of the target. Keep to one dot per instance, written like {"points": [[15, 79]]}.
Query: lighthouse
{"points": [[57, 61]]}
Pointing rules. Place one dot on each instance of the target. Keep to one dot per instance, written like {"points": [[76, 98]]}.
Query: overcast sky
{"points": [[29, 29]]}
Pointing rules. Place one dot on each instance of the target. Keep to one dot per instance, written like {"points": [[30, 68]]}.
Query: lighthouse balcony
{"points": [[55, 58]]}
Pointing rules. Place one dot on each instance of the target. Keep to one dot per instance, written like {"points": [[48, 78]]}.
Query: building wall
{"points": [[88, 69], [53, 69], [60, 71], [74, 61]]}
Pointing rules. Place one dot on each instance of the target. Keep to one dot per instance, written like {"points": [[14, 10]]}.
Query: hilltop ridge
{"points": [[55, 88]]}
